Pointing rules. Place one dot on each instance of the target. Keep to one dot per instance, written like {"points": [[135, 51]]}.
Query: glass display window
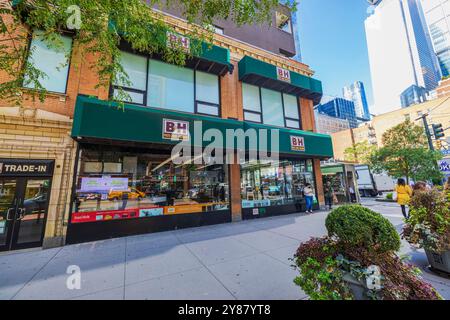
{"points": [[124, 184], [265, 184]]}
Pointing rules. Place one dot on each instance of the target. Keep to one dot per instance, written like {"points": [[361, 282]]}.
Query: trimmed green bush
{"points": [[390, 196], [357, 226]]}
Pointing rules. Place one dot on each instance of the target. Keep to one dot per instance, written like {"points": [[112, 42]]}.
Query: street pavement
{"points": [[245, 260]]}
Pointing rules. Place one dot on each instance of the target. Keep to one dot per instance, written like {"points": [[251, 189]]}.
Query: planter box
{"points": [[439, 261], [358, 288]]}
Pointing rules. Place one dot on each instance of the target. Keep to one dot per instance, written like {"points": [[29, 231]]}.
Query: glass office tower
{"points": [[400, 52], [357, 93], [437, 15]]}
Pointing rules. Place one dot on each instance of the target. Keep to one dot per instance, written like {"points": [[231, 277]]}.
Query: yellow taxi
{"points": [[130, 194]]}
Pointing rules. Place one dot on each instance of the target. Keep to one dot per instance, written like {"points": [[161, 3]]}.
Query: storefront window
{"points": [[168, 86], [54, 62], [114, 184], [265, 184]]}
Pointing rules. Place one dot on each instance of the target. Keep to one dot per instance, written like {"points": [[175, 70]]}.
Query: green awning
{"points": [[104, 120], [269, 76], [294, 142], [95, 119], [217, 56], [330, 170], [208, 57]]}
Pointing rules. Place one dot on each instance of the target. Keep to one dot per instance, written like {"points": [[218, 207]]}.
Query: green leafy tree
{"points": [[360, 152], [405, 153], [104, 23]]}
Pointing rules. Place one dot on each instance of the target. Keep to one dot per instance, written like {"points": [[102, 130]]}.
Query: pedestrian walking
{"points": [[404, 193], [309, 197], [329, 195]]}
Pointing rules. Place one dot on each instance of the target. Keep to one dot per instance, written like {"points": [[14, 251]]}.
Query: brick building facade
{"points": [[96, 151]]}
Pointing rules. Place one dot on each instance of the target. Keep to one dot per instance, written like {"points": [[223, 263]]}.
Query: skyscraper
{"points": [[340, 108], [296, 27], [437, 15], [356, 93], [400, 52]]}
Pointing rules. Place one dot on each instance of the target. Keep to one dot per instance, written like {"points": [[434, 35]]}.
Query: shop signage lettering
{"points": [[444, 165], [177, 41], [298, 143], [10, 167], [283, 75], [175, 130], [96, 216]]}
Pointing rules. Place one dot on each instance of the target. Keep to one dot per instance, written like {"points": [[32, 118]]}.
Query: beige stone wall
{"points": [[36, 134], [341, 141], [438, 109]]}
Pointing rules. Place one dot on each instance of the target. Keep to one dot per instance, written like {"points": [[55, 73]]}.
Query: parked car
{"points": [[131, 194], [36, 204]]}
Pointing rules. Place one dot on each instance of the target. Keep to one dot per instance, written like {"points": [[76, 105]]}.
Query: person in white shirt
{"points": [[309, 197]]}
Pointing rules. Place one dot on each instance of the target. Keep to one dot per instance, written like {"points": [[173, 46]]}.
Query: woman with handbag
{"points": [[404, 194], [309, 197]]}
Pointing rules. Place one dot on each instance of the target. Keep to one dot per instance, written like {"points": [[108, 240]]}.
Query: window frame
{"points": [[210, 104], [286, 119], [289, 21], [69, 61], [114, 87]]}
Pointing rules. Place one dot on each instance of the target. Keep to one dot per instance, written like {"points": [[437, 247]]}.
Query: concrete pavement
{"points": [[245, 260]]}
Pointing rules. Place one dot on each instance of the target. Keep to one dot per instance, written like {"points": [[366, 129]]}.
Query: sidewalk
{"points": [[246, 260]]}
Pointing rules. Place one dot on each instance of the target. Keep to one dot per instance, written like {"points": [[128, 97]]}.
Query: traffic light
{"points": [[438, 131]]}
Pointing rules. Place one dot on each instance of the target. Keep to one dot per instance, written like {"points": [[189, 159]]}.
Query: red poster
{"points": [[97, 216]]}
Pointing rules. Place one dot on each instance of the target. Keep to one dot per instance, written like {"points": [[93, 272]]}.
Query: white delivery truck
{"points": [[371, 185]]}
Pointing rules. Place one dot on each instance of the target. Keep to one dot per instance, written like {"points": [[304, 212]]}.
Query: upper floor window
{"points": [[270, 107], [219, 30], [157, 84], [52, 61], [283, 22]]}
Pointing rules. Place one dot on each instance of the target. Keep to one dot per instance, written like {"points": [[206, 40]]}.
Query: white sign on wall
{"points": [[283, 75], [297, 143], [175, 130]]}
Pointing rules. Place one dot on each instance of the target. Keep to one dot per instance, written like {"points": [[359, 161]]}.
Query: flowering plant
{"points": [[369, 258], [428, 226]]}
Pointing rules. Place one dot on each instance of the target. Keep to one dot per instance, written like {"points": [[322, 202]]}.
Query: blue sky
{"points": [[333, 42]]}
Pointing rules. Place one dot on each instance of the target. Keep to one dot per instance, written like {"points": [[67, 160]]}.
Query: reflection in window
{"points": [[135, 184], [265, 184], [291, 111], [170, 87], [54, 62], [272, 106]]}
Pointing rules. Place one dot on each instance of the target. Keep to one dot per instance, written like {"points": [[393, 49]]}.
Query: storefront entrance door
{"points": [[23, 212]]}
